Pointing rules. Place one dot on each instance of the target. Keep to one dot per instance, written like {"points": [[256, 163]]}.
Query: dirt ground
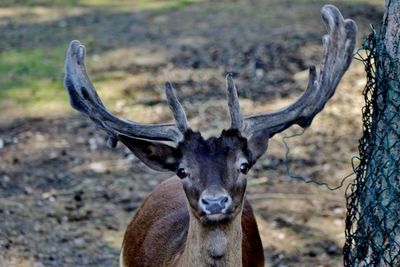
{"points": [[66, 198]]}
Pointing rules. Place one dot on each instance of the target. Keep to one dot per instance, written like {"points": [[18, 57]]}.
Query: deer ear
{"points": [[158, 156], [257, 144]]}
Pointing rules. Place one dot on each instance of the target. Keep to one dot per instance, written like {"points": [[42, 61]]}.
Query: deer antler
{"points": [[84, 98], [338, 45], [176, 108], [233, 104]]}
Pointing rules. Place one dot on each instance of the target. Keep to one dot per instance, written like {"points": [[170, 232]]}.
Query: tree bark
{"points": [[380, 201]]}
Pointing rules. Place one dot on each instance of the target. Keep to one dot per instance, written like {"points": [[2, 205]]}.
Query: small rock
{"points": [[1, 143], [76, 160], [259, 73], [53, 155], [279, 235], [6, 178], [120, 104], [337, 211], [36, 227], [49, 196], [80, 242], [92, 143], [99, 189], [97, 167], [332, 249], [28, 190], [125, 196]]}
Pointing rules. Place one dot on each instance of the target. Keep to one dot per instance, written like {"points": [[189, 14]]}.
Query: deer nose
{"points": [[215, 204]]}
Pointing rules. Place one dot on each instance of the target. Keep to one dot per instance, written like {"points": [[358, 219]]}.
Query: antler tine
{"points": [[338, 45], [84, 98], [176, 108], [233, 104]]}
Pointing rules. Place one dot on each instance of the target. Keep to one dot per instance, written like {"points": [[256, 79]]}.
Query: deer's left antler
{"points": [[338, 45]]}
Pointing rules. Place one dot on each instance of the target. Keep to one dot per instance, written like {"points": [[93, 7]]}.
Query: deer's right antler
{"points": [[84, 98]]}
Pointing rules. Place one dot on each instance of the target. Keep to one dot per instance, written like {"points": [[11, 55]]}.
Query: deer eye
{"points": [[182, 173], [244, 168]]}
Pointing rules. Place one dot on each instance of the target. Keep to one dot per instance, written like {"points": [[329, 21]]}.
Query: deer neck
{"points": [[219, 244]]}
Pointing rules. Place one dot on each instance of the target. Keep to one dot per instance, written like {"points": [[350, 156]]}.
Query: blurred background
{"points": [[66, 199]]}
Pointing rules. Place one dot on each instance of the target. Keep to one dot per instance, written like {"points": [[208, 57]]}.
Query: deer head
{"points": [[213, 171]]}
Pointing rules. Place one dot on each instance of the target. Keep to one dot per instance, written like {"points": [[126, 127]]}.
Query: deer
{"points": [[201, 216]]}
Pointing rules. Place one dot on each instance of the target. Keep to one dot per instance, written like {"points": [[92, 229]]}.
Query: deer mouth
{"points": [[216, 217]]}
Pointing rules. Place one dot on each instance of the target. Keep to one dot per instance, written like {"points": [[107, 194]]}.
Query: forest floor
{"points": [[66, 198]]}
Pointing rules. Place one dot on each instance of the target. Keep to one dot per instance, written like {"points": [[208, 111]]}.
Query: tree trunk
{"points": [[379, 220]]}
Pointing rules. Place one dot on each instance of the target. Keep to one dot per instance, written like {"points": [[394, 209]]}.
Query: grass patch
{"points": [[37, 96], [31, 79], [19, 67]]}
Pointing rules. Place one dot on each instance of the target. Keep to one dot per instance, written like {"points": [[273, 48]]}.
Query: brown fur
{"points": [[158, 232]]}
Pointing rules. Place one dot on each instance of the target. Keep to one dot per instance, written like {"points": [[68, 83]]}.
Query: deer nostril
{"points": [[224, 200], [204, 201]]}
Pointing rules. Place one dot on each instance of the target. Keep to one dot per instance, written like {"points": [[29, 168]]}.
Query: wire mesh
{"points": [[373, 198]]}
